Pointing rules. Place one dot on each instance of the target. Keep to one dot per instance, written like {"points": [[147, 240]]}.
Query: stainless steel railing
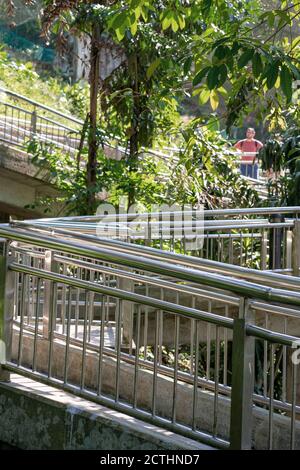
{"points": [[264, 238], [153, 337], [21, 119]]}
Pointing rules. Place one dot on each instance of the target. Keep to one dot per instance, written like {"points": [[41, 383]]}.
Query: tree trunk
{"points": [[93, 143], [134, 138]]}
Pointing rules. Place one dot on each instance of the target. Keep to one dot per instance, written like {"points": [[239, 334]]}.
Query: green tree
{"points": [[219, 45]]}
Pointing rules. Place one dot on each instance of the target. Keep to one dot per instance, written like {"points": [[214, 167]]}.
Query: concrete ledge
{"points": [[37, 416]]}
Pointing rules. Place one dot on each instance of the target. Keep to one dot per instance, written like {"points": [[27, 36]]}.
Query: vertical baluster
{"points": [[193, 325], [36, 326], [266, 359], [146, 325], [67, 348], [118, 347], [7, 302], [208, 348], [52, 324], [77, 305], [23, 301], [225, 348], [271, 397], [216, 377], [101, 346], [84, 341], [155, 366], [284, 364], [195, 385], [293, 414], [136, 362], [161, 320], [175, 378]]}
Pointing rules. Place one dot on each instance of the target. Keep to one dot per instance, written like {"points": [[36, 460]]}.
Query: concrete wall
{"points": [[37, 416], [21, 184]]}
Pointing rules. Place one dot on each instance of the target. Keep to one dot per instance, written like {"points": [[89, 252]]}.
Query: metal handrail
{"points": [[42, 106], [240, 287], [271, 336], [207, 213], [29, 133], [125, 295], [158, 282], [189, 261]]}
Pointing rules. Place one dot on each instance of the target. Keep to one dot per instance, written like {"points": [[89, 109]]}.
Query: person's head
{"points": [[250, 133]]}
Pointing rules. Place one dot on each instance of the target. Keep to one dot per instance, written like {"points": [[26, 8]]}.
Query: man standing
{"points": [[250, 148]]}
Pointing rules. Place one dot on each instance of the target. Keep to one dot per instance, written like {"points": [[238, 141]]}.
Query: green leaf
{"points": [[151, 69], [138, 12], [174, 25], [56, 27], [222, 91], [220, 52], [235, 47], [181, 21], [206, 6], [135, 4], [144, 13], [166, 23], [120, 33], [295, 42], [213, 124], [207, 33], [272, 74], [286, 82], [133, 28], [271, 19], [204, 96], [257, 65], [296, 72], [119, 20], [222, 74], [212, 78], [187, 65], [245, 58], [200, 75]]}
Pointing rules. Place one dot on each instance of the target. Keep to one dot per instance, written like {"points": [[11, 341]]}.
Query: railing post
{"points": [[127, 313], [263, 250], [33, 122], [47, 307], [289, 248], [242, 382], [7, 285], [296, 248], [276, 236]]}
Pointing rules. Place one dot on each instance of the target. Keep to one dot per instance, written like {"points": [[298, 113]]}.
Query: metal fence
{"points": [[155, 335], [265, 238], [22, 119]]}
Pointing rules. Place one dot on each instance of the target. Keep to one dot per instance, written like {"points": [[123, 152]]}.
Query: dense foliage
{"points": [[217, 50], [22, 78]]}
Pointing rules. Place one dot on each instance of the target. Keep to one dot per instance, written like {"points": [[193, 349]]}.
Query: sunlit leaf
{"points": [[151, 69], [214, 100]]}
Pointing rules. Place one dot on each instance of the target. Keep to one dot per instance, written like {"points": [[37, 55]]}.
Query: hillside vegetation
{"points": [[22, 78]]}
